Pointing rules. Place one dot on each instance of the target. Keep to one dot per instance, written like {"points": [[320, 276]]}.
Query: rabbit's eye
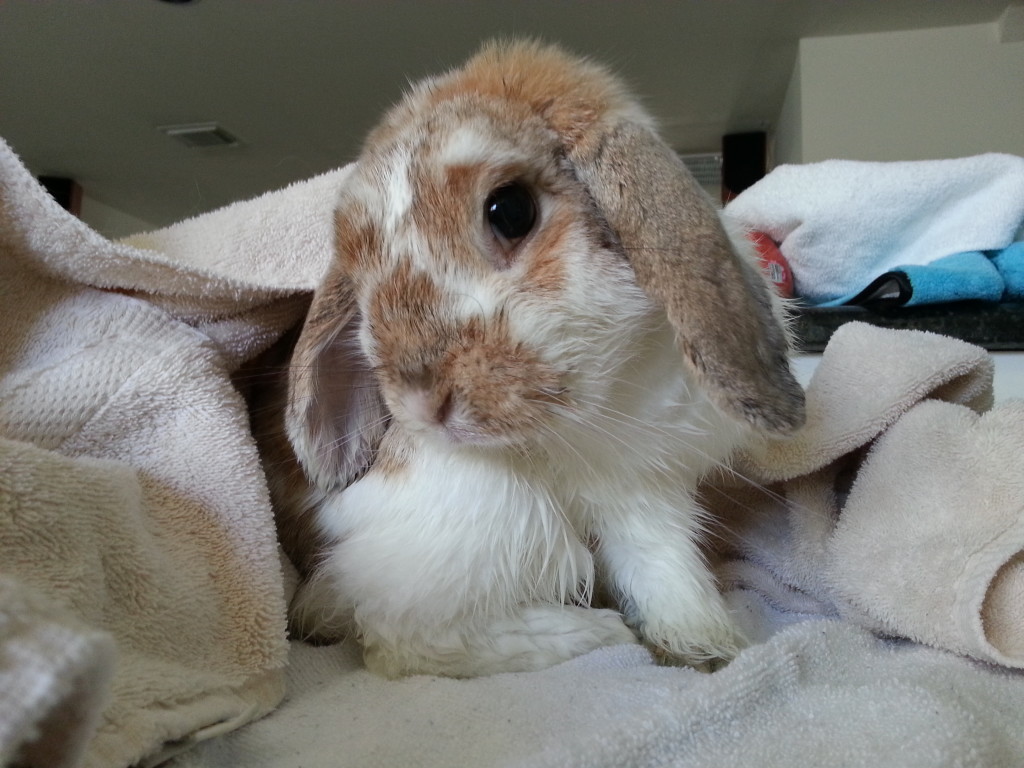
{"points": [[511, 212]]}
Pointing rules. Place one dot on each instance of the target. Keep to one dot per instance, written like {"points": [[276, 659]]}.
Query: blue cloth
{"points": [[1010, 263], [974, 275]]}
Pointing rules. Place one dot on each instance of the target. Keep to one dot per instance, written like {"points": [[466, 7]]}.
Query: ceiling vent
{"points": [[706, 168], [200, 135]]}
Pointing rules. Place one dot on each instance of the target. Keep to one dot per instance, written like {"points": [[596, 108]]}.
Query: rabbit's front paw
{"points": [[705, 639]]}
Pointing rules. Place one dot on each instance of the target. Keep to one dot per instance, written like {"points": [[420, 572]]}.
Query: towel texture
{"points": [[898, 512], [875, 561], [141, 601], [819, 693], [1010, 263], [900, 506], [842, 223], [969, 276]]}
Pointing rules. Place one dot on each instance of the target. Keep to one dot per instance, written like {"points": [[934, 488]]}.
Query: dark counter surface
{"points": [[997, 327]]}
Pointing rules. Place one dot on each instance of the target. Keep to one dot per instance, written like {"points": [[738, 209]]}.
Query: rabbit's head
{"points": [[510, 236]]}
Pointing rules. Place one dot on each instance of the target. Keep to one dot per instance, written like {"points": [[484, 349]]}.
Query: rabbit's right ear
{"points": [[682, 257], [335, 416], [720, 306]]}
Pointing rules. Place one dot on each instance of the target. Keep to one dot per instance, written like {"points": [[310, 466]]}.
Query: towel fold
{"points": [[56, 672], [841, 223], [817, 693], [141, 600], [1010, 263], [899, 506], [961, 277], [930, 541]]}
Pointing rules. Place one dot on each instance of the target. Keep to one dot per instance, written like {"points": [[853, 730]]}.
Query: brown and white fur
{"points": [[490, 423]]}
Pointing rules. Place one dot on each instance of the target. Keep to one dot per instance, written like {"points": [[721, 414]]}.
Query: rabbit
{"points": [[535, 337]]}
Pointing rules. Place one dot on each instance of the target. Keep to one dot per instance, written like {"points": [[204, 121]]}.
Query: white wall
{"points": [[915, 95], [110, 222], [788, 143]]}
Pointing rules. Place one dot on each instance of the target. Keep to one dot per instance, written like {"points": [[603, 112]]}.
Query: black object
{"points": [[65, 191], [996, 327], [744, 160]]}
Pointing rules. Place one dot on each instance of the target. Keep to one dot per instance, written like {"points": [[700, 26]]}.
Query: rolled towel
{"points": [[842, 223], [930, 543], [1010, 263], [960, 277]]}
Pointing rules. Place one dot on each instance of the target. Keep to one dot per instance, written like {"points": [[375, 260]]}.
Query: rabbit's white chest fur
{"points": [[463, 551]]}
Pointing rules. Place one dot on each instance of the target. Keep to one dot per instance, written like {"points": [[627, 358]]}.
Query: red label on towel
{"points": [[773, 263]]}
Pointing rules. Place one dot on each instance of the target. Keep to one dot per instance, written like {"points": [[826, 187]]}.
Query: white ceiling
{"points": [[84, 85]]}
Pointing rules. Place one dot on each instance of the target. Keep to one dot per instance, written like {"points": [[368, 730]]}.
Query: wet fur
{"points": [[488, 431]]}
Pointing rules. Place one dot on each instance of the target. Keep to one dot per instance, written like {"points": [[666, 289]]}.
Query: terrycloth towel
{"points": [[961, 277], [842, 223], [1010, 263], [822, 693], [141, 600], [928, 545], [900, 506]]}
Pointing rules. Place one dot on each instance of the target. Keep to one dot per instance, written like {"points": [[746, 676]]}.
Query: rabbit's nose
{"points": [[420, 405], [428, 407]]}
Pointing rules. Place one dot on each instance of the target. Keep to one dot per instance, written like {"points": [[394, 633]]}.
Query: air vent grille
{"points": [[706, 168], [201, 135]]}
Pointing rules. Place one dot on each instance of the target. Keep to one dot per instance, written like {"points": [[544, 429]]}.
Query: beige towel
{"points": [[141, 599], [142, 605], [900, 505]]}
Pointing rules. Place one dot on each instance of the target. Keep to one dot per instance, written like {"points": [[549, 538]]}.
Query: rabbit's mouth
{"points": [[466, 376], [504, 409]]}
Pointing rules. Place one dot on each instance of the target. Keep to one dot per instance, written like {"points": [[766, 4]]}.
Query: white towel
{"points": [[841, 223], [821, 693]]}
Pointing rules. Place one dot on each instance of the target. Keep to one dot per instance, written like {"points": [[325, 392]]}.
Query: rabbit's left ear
{"points": [[682, 257], [336, 417]]}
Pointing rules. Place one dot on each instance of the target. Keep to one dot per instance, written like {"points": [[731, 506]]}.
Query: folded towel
{"points": [[1010, 263], [900, 505], [842, 223], [141, 599], [56, 672], [961, 277]]}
